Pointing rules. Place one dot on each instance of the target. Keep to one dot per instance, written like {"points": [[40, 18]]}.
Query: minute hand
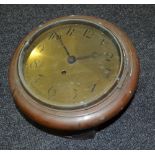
{"points": [[59, 38]]}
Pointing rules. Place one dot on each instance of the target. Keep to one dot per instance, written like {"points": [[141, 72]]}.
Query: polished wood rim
{"points": [[86, 117]]}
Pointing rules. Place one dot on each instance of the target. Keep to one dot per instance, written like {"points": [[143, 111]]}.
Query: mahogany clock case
{"points": [[84, 118]]}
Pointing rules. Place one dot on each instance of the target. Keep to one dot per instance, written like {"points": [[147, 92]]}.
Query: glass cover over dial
{"points": [[71, 64]]}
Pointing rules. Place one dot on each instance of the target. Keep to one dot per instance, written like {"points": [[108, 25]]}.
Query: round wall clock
{"points": [[74, 73]]}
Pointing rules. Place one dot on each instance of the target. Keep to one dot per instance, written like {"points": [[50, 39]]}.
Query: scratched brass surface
{"points": [[53, 76]]}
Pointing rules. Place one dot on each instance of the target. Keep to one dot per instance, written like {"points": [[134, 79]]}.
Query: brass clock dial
{"points": [[74, 70], [71, 64]]}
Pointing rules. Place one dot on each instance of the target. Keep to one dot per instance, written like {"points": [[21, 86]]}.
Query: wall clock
{"points": [[74, 73]]}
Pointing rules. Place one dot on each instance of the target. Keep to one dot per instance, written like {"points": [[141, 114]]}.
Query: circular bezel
{"points": [[82, 117]]}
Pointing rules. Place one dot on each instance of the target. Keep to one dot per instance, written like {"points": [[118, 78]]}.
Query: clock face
{"points": [[71, 64]]}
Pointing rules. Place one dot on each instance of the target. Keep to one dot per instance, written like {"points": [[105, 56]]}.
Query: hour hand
{"points": [[92, 55]]}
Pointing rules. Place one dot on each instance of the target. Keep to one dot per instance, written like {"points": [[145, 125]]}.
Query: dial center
{"points": [[71, 59]]}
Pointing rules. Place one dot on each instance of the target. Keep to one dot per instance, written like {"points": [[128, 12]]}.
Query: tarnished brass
{"points": [[71, 64]]}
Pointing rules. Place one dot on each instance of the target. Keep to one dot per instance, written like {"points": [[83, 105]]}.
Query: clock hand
{"points": [[71, 59], [92, 55], [59, 38], [83, 57]]}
